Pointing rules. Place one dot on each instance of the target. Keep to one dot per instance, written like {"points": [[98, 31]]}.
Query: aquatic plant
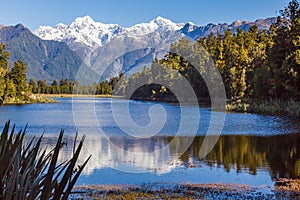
{"points": [[269, 107], [28, 171]]}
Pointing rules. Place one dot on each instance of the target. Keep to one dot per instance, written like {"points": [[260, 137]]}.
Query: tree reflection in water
{"points": [[280, 153]]}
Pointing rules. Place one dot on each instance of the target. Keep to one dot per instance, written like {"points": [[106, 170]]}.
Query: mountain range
{"points": [[108, 49], [46, 59]]}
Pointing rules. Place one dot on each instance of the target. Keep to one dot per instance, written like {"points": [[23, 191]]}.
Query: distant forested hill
{"points": [[47, 60]]}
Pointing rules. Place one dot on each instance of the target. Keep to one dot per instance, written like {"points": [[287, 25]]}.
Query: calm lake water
{"points": [[252, 149]]}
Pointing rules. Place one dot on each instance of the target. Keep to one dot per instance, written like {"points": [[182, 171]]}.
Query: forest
{"points": [[258, 68], [65, 86], [13, 86]]}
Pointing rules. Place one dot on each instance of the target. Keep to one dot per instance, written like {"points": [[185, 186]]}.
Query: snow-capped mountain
{"points": [[95, 34], [84, 35], [158, 24], [46, 60], [193, 31], [129, 51], [107, 47]]}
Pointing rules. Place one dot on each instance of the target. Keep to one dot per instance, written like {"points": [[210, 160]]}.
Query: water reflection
{"points": [[51, 118], [252, 146], [280, 155]]}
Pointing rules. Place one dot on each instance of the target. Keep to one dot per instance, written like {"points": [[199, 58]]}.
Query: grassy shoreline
{"points": [[29, 100], [75, 95], [267, 107], [183, 191]]}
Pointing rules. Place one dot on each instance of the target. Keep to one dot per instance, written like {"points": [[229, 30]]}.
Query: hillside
{"points": [[107, 47], [47, 60], [58, 52]]}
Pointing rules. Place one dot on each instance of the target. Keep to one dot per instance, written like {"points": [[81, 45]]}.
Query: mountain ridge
{"points": [[101, 45], [101, 33], [45, 59], [58, 52]]}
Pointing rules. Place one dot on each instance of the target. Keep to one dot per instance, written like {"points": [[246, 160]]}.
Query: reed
{"points": [[269, 107], [27, 171]]}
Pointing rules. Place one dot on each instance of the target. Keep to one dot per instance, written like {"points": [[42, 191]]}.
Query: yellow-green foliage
{"points": [[270, 107]]}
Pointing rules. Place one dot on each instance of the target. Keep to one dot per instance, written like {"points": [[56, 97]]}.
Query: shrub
{"points": [[29, 172]]}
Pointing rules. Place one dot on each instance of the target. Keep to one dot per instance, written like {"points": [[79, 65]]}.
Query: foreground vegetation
{"points": [[184, 191], [267, 107], [28, 171]]}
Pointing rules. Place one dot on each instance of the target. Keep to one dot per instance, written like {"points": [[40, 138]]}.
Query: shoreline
{"points": [[74, 95], [289, 108], [29, 100], [272, 107], [179, 191]]}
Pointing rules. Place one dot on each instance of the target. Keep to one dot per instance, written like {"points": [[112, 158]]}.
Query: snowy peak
{"points": [[87, 22], [159, 24], [84, 20], [84, 35], [61, 26], [163, 22], [49, 33], [195, 32], [238, 23], [189, 27]]}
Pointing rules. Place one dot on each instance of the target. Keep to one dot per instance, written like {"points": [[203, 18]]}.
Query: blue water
{"points": [[51, 118], [157, 142]]}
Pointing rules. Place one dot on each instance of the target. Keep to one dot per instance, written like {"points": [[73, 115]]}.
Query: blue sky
{"points": [[33, 13]]}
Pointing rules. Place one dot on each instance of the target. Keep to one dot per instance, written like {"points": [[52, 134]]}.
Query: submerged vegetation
{"points": [[29, 172]]}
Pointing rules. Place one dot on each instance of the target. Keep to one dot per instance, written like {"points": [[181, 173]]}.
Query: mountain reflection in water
{"points": [[253, 149], [280, 155]]}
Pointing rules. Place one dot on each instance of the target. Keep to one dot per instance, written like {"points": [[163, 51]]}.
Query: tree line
{"points": [[65, 86], [249, 152], [253, 64], [15, 89], [13, 86]]}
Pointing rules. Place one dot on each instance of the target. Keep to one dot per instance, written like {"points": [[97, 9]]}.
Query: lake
{"points": [[162, 143]]}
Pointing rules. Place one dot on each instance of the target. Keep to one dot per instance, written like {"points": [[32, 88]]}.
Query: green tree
{"points": [[11, 92], [42, 86], [32, 85], [284, 56], [54, 87], [18, 75], [292, 61], [4, 69]]}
